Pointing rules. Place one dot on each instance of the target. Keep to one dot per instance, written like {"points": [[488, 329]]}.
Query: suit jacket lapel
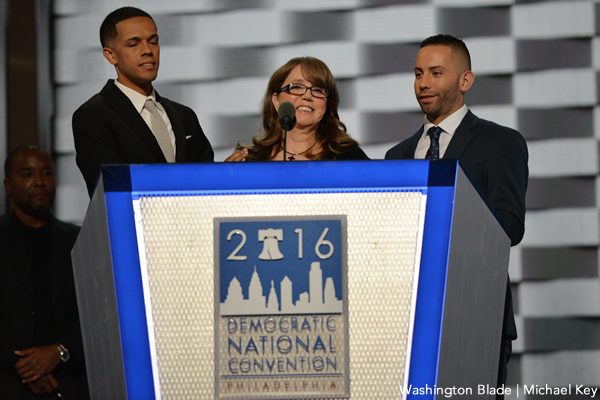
{"points": [[461, 138], [18, 256], [123, 107], [57, 262], [178, 128], [412, 144]]}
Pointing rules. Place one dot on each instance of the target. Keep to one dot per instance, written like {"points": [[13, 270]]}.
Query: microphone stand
{"points": [[285, 132], [287, 121]]}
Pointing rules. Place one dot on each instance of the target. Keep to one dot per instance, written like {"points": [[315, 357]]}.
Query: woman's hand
{"points": [[238, 155]]}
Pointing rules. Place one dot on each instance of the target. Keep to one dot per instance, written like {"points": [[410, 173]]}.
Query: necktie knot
{"points": [[150, 106], [434, 132], [434, 147]]}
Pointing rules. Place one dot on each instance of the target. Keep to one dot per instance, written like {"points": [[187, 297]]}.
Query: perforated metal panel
{"points": [[383, 233]]}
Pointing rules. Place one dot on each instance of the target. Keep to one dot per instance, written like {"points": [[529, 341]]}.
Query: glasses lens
{"points": [[318, 92], [297, 89]]}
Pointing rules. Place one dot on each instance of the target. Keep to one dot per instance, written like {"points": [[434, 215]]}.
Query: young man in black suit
{"points": [[128, 122], [494, 157], [41, 353]]}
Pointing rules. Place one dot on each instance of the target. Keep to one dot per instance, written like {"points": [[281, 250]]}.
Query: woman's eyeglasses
{"points": [[298, 89]]}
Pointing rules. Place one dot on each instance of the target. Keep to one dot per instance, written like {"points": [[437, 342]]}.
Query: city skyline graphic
{"points": [[321, 297]]}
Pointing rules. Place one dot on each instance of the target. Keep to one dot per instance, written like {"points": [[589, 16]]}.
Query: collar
{"points": [[137, 99], [450, 124]]}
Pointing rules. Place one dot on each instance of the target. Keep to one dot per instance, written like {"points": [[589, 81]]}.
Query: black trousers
{"points": [[505, 353]]}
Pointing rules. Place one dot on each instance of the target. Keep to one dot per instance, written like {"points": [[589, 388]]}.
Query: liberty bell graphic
{"points": [[270, 238]]}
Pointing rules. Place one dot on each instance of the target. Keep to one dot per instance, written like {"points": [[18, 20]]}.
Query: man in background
{"points": [[128, 122], [41, 353], [494, 157]]}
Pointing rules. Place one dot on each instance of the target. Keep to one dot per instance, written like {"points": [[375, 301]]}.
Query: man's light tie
{"points": [[160, 131]]}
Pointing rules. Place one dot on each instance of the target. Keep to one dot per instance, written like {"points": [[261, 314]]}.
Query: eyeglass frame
{"points": [[287, 89]]}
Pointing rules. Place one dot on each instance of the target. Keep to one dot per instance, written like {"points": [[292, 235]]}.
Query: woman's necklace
{"points": [[292, 156]]}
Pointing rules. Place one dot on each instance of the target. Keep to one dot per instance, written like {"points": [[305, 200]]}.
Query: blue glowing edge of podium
{"points": [[121, 184]]}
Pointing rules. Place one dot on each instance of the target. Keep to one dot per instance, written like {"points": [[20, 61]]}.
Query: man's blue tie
{"points": [[434, 148]]}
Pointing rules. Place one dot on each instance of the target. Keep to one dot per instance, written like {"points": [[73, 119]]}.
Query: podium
{"points": [[357, 279]]}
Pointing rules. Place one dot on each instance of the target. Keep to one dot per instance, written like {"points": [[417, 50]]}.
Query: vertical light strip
{"points": [[3, 100], [45, 98], [415, 291], [139, 228]]}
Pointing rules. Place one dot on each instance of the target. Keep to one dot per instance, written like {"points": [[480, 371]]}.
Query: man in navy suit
{"points": [[494, 157], [128, 122]]}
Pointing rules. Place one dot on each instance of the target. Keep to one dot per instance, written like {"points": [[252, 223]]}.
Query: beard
{"points": [[39, 208]]}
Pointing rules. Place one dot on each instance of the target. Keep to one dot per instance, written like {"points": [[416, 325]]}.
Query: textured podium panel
{"points": [[179, 260]]}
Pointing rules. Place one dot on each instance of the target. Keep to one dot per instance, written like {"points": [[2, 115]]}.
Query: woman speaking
{"points": [[318, 133]]}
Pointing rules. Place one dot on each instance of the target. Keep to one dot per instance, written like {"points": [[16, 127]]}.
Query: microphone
{"points": [[287, 116], [287, 120]]}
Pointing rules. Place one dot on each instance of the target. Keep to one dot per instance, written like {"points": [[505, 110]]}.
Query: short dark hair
{"points": [[456, 44], [8, 163], [108, 29]]}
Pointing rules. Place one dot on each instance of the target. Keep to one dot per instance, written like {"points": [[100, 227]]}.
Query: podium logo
{"points": [[281, 309]]}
